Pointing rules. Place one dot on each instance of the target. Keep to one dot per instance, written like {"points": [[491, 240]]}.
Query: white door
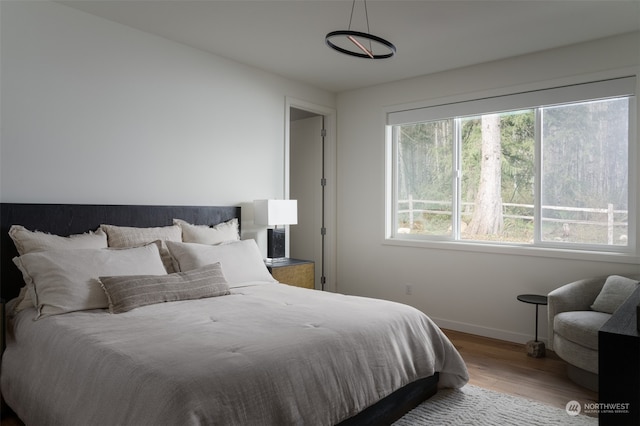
{"points": [[306, 162]]}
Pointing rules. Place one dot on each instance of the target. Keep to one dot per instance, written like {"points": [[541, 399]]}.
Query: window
{"points": [[467, 171]]}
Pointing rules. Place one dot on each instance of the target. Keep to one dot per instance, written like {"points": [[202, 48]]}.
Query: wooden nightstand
{"points": [[296, 272]]}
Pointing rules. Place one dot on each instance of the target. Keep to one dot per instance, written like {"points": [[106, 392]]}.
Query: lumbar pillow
{"points": [[33, 241], [203, 234], [63, 281], [128, 292], [615, 291], [241, 261]]}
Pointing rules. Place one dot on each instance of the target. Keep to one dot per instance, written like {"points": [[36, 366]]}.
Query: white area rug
{"points": [[473, 405]]}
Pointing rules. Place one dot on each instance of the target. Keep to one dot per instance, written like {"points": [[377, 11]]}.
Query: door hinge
{"points": [[323, 231], [323, 133], [323, 279], [323, 182]]}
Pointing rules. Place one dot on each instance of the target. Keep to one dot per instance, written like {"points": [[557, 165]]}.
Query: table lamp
{"points": [[275, 213]]}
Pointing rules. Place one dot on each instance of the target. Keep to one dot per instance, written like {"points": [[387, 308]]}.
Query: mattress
{"points": [[266, 354]]}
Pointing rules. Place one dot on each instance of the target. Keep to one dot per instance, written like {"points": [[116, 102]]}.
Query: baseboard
{"points": [[493, 333]]}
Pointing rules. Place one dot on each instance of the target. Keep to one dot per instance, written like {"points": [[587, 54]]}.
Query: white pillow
{"points": [[32, 241], [67, 280], [130, 236], [27, 241], [615, 291], [24, 300], [241, 261], [203, 234]]}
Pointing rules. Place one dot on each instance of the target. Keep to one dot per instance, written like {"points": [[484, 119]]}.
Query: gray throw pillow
{"points": [[128, 292], [615, 291]]}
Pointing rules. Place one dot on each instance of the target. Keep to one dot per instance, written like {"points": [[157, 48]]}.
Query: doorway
{"points": [[310, 146]]}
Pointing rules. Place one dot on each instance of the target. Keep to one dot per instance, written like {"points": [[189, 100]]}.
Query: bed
{"points": [[242, 349]]}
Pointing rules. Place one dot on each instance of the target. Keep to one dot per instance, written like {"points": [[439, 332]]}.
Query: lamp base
{"points": [[276, 244]]}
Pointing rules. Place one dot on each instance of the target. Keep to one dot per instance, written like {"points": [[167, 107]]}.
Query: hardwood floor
{"points": [[505, 367]]}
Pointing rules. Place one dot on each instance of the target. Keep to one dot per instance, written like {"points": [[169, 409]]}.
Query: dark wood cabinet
{"points": [[619, 366], [2, 326]]}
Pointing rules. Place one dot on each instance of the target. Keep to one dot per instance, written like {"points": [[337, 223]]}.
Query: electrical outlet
{"points": [[408, 290]]}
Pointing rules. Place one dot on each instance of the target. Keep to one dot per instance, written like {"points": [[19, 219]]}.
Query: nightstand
{"points": [[296, 272]]}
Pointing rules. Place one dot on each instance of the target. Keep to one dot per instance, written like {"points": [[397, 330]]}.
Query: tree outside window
{"points": [[473, 178]]}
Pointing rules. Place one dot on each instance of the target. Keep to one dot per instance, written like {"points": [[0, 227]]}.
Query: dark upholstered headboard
{"points": [[68, 219]]}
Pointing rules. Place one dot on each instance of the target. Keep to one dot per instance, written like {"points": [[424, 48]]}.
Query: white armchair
{"points": [[574, 322]]}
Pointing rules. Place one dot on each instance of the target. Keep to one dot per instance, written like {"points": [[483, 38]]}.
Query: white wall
{"points": [[97, 112], [463, 290]]}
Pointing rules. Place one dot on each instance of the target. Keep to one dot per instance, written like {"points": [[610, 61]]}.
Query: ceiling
{"points": [[286, 37]]}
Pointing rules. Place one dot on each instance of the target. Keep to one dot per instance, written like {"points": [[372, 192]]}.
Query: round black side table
{"points": [[535, 348]]}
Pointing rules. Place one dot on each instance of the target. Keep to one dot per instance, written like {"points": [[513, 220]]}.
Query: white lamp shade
{"points": [[275, 212]]}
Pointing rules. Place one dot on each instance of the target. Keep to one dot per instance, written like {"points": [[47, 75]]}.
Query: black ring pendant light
{"points": [[358, 40]]}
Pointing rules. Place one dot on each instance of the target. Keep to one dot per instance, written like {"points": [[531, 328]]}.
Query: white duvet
{"points": [[268, 354]]}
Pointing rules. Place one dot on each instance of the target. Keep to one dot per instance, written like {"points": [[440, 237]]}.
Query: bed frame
{"points": [[68, 219]]}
